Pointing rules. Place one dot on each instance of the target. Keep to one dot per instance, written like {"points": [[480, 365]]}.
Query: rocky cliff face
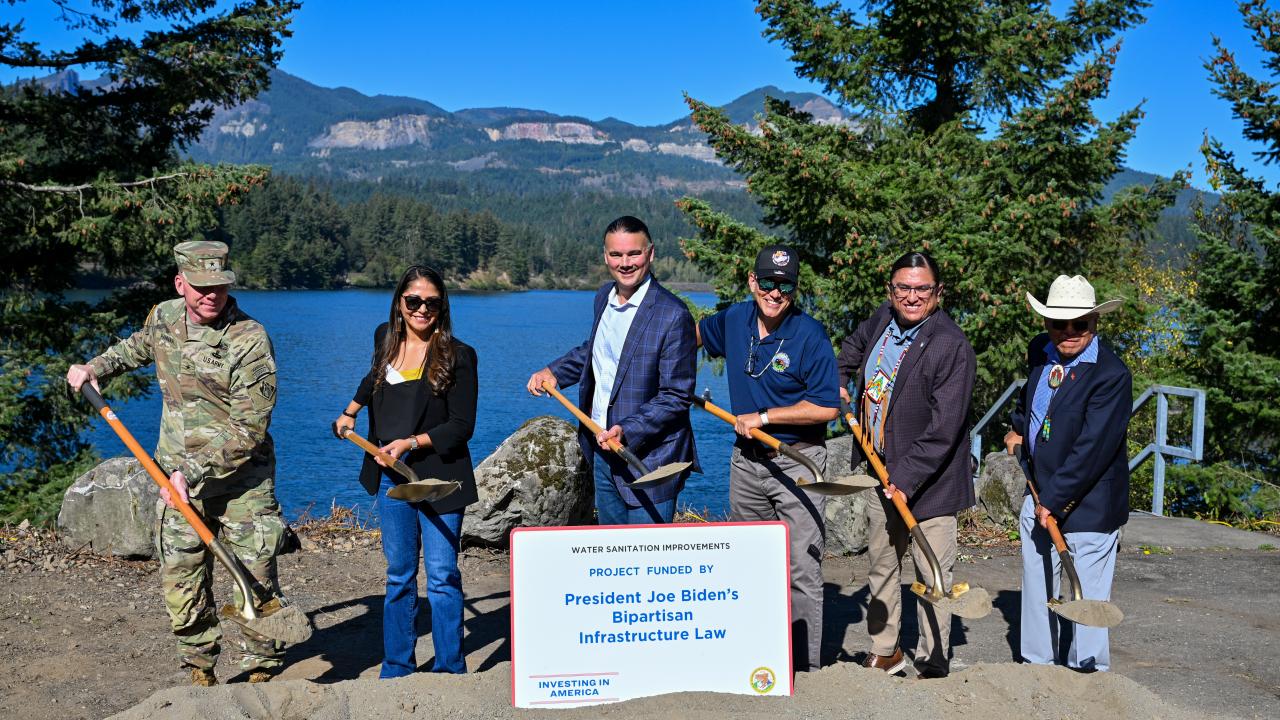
{"points": [[381, 134], [573, 133]]}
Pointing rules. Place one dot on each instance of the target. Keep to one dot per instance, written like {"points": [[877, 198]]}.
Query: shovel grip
{"points": [[756, 433], [1051, 523], [622, 451], [877, 466], [148, 464]]}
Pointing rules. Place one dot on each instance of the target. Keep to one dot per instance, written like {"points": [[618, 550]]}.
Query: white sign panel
{"points": [[600, 615]]}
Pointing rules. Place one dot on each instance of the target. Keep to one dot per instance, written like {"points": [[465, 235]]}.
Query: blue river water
{"points": [[323, 341]]}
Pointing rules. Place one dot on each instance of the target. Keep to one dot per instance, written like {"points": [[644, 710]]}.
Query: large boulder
{"points": [[112, 510], [1000, 488], [846, 515], [536, 477]]}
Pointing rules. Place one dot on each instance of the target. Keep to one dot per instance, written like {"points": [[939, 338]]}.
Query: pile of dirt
{"points": [[83, 636], [838, 692]]}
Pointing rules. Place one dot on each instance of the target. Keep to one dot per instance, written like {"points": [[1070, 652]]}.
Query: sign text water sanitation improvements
{"points": [[604, 614]]}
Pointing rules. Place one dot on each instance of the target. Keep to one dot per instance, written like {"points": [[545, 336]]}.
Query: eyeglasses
{"points": [[1079, 325], [752, 357], [782, 286], [433, 305], [904, 291]]}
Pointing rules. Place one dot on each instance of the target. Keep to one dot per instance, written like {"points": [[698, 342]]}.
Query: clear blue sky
{"points": [[632, 60]]}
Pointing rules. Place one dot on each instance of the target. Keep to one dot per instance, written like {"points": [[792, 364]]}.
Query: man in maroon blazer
{"points": [[913, 372]]}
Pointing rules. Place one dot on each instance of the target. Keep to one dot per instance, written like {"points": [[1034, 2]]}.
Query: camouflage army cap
{"points": [[203, 263]]}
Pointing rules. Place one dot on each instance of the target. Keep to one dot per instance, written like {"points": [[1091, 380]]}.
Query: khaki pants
{"points": [[887, 540], [764, 490]]}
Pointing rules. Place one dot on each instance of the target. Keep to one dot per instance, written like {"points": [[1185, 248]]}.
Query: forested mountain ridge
{"points": [[544, 182], [298, 127]]}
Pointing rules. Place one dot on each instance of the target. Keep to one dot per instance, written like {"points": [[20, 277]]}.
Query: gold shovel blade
{"points": [[971, 603], [660, 475], [428, 490], [857, 482], [1094, 613]]}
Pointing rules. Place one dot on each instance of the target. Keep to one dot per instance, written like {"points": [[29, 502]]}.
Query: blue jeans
{"points": [[611, 509], [408, 528]]}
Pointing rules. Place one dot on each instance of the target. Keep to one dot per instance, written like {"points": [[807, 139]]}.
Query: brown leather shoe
{"points": [[892, 664], [203, 677], [260, 676]]}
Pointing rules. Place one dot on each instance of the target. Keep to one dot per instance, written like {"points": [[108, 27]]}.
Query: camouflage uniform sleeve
{"points": [[131, 353], [252, 398]]}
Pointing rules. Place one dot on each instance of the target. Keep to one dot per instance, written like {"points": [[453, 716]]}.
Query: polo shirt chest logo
{"points": [[780, 362]]}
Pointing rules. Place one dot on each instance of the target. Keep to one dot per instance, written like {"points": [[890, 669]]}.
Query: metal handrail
{"points": [[975, 435], [1158, 449], [1161, 447]]}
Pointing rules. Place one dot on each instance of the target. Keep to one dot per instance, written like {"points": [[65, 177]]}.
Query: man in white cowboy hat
{"points": [[1072, 417]]}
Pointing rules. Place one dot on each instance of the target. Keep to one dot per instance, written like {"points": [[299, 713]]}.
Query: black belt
{"points": [[753, 450]]}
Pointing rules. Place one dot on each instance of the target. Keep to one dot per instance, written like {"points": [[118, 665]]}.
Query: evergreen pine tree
{"points": [[90, 179], [973, 140], [1232, 312]]}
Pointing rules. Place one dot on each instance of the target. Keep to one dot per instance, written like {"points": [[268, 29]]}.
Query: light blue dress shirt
{"points": [[611, 335], [1043, 394]]}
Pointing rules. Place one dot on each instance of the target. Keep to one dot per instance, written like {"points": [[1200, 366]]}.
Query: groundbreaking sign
{"points": [[600, 615]]}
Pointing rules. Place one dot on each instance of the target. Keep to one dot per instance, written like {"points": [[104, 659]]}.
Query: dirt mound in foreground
{"points": [[838, 692]]}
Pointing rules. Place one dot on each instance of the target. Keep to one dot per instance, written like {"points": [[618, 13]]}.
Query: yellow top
{"points": [[413, 374]]}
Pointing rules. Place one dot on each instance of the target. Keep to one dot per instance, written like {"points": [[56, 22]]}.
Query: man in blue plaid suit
{"points": [[637, 371]]}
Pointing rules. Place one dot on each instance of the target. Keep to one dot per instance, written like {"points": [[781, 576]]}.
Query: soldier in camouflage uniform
{"points": [[217, 376]]}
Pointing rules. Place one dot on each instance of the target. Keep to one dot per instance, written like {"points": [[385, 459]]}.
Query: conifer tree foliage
{"points": [[90, 180], [975, 141], [1232, 313]]}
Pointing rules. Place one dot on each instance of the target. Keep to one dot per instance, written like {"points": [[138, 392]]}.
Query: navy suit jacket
{"points": [[926, 432], [652, 390], [1082, 470]]}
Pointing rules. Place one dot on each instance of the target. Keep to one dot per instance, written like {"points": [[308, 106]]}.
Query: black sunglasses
{"points": [[413, 302], [1079, 325], [782, 286]]}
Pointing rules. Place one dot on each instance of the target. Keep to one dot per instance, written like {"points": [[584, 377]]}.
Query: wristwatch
{"points": [[764, 416], [413, 442]]}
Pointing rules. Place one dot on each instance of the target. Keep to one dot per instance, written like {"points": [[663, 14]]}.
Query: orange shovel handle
{"points": [[877, 466], [583, 418], [1051, 523], [623, 451], [95, 399], [764, 437]]}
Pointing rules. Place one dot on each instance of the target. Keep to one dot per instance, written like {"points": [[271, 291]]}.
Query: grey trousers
{"points": [[1094, 555], [887, 540], [764, 490]]}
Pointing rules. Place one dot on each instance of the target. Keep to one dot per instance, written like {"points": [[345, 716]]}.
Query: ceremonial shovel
{"points": [[644, 477], [415, 490], [1094, 613], [274, 618], [961, 599], [840, 486]]}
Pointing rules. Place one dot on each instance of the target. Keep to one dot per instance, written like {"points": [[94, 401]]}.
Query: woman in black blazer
{"points": [[421, 395]]}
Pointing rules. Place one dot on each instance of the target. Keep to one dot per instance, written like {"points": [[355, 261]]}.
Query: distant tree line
{"points": [[292, 232]]}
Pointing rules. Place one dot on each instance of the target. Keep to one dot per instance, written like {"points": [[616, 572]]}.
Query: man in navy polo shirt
{"points": [[782, 379]]}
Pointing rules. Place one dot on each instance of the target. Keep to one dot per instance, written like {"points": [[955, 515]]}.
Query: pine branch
{"points": [[68, 189]]}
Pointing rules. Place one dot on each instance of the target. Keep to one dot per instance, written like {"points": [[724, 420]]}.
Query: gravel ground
{"points": [[86, 637]]}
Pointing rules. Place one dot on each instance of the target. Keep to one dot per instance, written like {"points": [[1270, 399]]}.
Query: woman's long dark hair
{"points": [[437, 366]]}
